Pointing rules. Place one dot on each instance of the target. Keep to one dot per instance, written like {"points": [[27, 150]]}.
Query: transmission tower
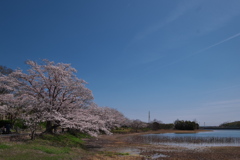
{"points": [[149, 117]]}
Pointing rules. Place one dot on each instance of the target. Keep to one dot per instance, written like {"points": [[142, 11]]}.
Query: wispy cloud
{"points": [[219, 13], [222, 89], [202, 50], [189, 20], [174, 15], [225, 103], [218, 43], [208, 16]]}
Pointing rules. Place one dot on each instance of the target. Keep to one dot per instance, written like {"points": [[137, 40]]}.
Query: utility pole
{"points": [[148, 116]]}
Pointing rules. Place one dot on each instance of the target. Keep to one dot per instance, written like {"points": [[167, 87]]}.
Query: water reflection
{"points": [[214, 133], [214, 138]]}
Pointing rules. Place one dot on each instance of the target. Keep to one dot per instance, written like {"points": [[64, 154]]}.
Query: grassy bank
{"points": [[53, 147], [46, 147]]}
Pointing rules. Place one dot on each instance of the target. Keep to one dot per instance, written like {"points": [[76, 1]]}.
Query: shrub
{"points": [[20, 124], [185, 125]]}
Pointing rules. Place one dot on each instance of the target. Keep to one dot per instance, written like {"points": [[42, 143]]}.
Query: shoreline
{"points": [[139, 151]]}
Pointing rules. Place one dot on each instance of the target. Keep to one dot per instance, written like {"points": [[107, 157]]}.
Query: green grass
{"points": [[122, 154], [4, 146], [126, 130], [52, 150], [28, 151], [122, 130], [112, 154], [67, 140], [46, 147]]}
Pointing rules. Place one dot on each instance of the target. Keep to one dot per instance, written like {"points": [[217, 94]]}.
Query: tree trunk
{"points": [[55, 127], [49, 127], [33, 135]]}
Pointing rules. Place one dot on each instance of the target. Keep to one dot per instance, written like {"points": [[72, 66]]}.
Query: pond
{"points": [[210, 133], [207, 138]]}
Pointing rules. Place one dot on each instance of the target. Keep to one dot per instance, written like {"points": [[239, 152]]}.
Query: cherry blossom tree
{"points": [[53, 94], [111, 117], [12, 107], [137, 124], [90, 123], [32, 121], [3, 107], [4, 71]]}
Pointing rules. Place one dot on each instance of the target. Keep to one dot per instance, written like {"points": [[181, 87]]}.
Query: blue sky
{"points": [[176, 59]]}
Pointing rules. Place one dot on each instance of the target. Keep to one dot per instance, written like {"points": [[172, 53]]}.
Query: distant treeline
{"points": [[186, 125], [158, 125], [178, 124], [235, 124]]}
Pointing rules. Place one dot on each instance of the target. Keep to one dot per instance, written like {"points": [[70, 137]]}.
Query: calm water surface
{"points": [[234, 135], [214, 133]]}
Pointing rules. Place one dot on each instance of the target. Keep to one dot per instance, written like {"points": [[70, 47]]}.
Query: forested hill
{"points": [[235, 124]]}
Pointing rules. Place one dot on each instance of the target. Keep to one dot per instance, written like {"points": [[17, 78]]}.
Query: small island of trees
{"points": [[186, 125]]}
